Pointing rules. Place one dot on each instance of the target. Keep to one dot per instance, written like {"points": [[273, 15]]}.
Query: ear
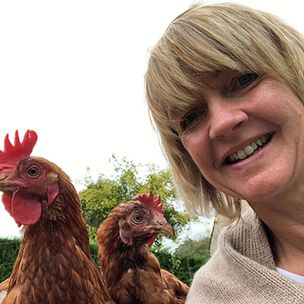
{"points": [[125, 234], [127, 239], [52, 193]]}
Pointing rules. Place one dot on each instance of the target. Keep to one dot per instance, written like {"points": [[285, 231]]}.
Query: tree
{"points": [[190, 247], [100, 197]]}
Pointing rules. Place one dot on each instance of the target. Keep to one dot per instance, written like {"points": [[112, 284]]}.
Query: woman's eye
{"points": [[190, 119], [244, 80], [33, 171]]}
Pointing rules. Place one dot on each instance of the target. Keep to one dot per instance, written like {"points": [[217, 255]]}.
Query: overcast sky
{"points": [[73, 71]]}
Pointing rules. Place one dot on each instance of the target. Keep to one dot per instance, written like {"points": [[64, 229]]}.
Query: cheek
{"points": [[198, 147], [6, 199]]}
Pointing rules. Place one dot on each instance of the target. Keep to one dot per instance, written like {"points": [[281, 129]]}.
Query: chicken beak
{"points": [[5, 181], [162, 225], [168, 229], [3, 177]]}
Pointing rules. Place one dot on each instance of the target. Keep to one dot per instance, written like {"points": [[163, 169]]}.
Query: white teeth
{"points": [[263, 139], [241, 154], [249, 149], [259, 142], [231, 158], [254, 145]]}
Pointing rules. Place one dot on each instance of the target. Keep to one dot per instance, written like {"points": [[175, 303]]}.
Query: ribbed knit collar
{"points": [[249, 238], [242, 270]]}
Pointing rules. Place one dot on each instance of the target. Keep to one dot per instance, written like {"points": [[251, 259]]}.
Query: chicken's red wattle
{"points": [[25, 208]]}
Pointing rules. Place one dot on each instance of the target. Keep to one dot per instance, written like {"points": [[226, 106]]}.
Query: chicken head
{"points": [[27, 182], [143, 221]]}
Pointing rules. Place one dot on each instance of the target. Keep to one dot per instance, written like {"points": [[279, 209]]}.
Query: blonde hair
{"points": [[213, 38]]}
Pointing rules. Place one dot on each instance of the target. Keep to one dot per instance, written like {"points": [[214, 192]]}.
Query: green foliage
{"points": [[183, 266], [186, 259], [94, 251], [8, 252], [190, 247], [100, 197]]}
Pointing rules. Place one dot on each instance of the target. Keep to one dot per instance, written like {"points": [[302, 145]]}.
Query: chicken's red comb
{"points": [[150, 202], [14, 152]]}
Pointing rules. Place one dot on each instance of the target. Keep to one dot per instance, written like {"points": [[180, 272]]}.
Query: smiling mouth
{"points": [[249, 150]]}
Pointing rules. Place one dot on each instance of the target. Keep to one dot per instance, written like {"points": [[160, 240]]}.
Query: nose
{"points": [[225, 120]]}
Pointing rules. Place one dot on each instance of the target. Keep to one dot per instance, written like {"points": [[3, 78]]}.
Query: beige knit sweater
{"points": [[242, 270]]}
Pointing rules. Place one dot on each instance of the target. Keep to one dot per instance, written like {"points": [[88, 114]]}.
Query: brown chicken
{"points": [[132, 272], [54, 265]]}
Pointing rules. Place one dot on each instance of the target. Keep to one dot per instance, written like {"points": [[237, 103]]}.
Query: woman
{"points": [[225, 89]]}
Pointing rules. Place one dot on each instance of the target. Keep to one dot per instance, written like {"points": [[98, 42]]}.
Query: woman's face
{"points": [[245, 134]]}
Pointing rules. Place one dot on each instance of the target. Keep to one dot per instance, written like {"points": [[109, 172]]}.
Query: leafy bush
{"points": [[94, 251], [8, 252], [182, 266]]}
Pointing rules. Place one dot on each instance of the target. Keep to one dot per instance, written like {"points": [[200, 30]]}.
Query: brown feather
{"points": [[54, 264], [132, 273]]}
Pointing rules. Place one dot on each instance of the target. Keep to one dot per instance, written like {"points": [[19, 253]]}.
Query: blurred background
{"points": [[74, 72]]}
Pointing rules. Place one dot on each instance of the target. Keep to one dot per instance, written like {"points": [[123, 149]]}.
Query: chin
{"points": [[264, 185], [266, 189]]}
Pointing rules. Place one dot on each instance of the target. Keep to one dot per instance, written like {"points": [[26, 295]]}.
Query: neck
{"points": [[60, 230], [111, 245], [54, 264], [284, 219], [116, 258]]}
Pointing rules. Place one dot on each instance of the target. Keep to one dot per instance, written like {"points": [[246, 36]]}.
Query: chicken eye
{"points": [[33, 171], [137, 218]]}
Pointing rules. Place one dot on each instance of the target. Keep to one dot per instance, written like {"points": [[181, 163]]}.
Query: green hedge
{"points": [[8, 252], [182, 266]]}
